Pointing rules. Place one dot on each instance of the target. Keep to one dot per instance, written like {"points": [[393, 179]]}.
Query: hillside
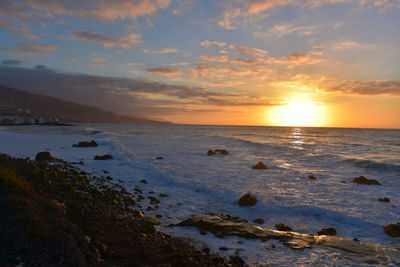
{"points": [[65, 111]]}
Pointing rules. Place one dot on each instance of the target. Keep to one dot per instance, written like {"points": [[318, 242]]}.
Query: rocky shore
{"points": [[54, 214]]}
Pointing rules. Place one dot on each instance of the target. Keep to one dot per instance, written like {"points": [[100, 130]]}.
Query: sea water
{"points": [[198, 183]]}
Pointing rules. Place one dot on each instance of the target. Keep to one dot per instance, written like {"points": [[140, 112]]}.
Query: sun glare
{"points": [[298, 113]]}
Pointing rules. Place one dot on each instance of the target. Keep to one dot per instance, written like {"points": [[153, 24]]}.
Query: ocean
{"points": [[198, 183]]}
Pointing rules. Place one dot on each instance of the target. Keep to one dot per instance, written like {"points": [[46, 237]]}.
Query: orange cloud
{"points": [[212, 58], [164, 71], [363, 87], [207, 43], [125, 42], [162, 51]]}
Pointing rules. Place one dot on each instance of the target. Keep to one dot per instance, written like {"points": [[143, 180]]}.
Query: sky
{"points": [[333, 63]]}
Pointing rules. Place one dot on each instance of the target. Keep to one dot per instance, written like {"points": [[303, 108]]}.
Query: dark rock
{"points": [[159, 158], [247, 200], [312, 177], [143, 181], [363, 180], [44, 155], [86, 144], [103, 157], [158, 215], [154, 200], [385, 199], [164, 195], [202, 232], [223, 248], [210, 152], [236, 261], [259, 221], [393, 229], [282, 227], [327, 231], [222, 151], [260, 166]]}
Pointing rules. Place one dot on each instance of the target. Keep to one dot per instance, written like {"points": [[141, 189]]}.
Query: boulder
{"points": [[327, 231], [363, 180], [282, 227], [385, 199], [43, 156], [260, 166], [393, 229], [143, 181], [159, 158], [312, 177], [222, 151], [210, 152], [86, 144], [247, 200], [103, 157], [259, 221]]}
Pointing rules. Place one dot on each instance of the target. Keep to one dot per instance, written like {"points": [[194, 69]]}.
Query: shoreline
{"points": [[81, 219]]}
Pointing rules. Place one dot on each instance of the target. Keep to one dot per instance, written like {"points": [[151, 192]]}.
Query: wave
{"points": [[374, 165]]}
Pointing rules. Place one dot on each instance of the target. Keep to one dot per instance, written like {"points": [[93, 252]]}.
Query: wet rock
{"points": [[259, 221], [143, 181], [327, 231], [86, 144], [158, 215], [210, 152], [222, 151], [393, 229], [282, 227], [260, 166], [223, 248], [164, 195], [202, 232], [363, 180], [385, 199], [159, 158], [312, 177], [44, 156], [247, 200], [103, 157], [154, 200], [236, 261]]}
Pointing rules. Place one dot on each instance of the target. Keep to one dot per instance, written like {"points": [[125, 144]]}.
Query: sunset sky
{"points": [[248, 62]]}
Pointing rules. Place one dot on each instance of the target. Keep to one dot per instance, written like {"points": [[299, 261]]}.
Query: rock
{"points": [[159, 158], [393, 229], [385, 199], [222, 151], [223, 248], [164, 195], [259, 221], [153, 200], [312, 177], [363, 180], [104, 157], [44, 155], [282, 227], [247, 200], [210, 152], [236, 261], [260, 166], [327, 231], [143, 181], [86, 144]]}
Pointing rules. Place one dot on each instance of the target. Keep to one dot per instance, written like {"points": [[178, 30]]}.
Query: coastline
{"points": [[80, 219]]}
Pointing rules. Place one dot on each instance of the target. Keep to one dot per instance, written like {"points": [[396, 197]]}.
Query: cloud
{"points": [[11, 62], [122, 95], [162, 51], [33, 49], [164, 71], [229, 17], [363, 87], [284, 29], [213, 58], [23, 31], [208, 44], [99, 10], [124, 42]]}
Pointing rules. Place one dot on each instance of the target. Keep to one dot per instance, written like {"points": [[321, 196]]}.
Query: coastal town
{"points": [[12, 116]]}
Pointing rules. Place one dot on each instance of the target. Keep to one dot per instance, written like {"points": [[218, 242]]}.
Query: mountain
{"points": [[65, 111]]}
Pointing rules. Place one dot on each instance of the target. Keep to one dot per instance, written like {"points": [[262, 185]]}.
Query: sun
{"points": [[298, 113]]}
